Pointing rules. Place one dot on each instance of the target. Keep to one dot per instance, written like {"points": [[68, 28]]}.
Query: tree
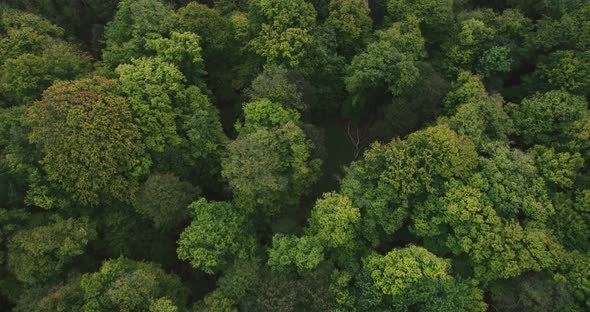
{"points": [[395, 272], [435, 16], [565, 33], [334, 221], [91, 147], [135, 21], [164, 199], [24, 32], [470, 45], [279, 160], [532, 292], [414, 109], [495, 60], [33, 55], [183, 50], [477, 115], [18, 163], [489, 43], [389, 62], [126, 285], [264, 114], [414, 277], [40, 254], [64, 296], [551, 8], [514, 186], [565, 70], [203, 142], [154, 90], [332, 231], [390, 178], [352, 24], [281, 86], [558, 169], [468, 88], [571, 223], [10, 222], [302, 253], [497, 245], [578, 278], [218, 235], [180, 126], [555, 118], [221, 51], [285, 26]]}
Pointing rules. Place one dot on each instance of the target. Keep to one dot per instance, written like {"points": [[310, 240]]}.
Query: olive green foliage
{"points": [[218, 234], [435, 16], [305, 253], [467, 88], [11, 221], [571, 223], [209, 24], [391, 177], [18, 159], [565, 32], [413, 276], [284, 36], [333, 226], [280, 86], [164, 199], [127, 285], [172, 116], [183, 50], [477, 115], [279, 159], [134, 23], [488, 43], [152, 88], [91, 147], [351, 23], [578, 279], [34, 54], [556, 118], [558, 169], [563, 70], [41, 253], [263, 114], [294, 155], [221, 51], [389, 62], [481, 218], [66, 296], [334, 221]]}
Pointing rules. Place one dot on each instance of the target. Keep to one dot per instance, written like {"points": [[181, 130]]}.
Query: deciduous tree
{"points": [[92, 148]]}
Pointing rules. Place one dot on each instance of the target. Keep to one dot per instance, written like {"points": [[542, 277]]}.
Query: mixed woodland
{"points": [[294, 155]]}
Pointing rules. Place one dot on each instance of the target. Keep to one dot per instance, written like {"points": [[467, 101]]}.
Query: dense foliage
{"points": [[294, 155]]}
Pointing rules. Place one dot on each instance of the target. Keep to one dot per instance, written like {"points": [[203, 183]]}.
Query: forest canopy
{"points": [[294, 155]]}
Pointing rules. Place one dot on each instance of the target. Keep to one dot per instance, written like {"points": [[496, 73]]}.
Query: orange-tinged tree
{"points": [[91, 148]]}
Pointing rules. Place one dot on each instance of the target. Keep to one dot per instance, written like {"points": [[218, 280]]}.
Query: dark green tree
{"points": [[389, 63], [218, 234], [164, 199], [126, 285], [33, 55], [40, 254]]}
